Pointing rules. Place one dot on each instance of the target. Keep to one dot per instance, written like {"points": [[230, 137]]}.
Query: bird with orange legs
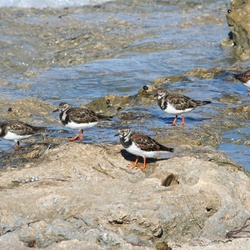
{"points": [[78, 118], [177, 104], [140, 145]]}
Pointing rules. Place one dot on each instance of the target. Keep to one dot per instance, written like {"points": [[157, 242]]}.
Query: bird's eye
{"points": [[229, 11], [145, 87], [9, 109], [107, 101]]}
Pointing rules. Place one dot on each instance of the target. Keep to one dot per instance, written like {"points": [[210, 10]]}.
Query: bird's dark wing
{"points": [[146, 143], [181, 102], [82, 115], [21, 128], [243, 77]]}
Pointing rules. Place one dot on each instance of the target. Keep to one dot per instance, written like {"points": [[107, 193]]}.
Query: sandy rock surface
{"points": [[83, 196]]}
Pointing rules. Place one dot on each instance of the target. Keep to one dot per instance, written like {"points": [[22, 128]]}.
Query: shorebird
{"points": [[244, 78], [140, 145], [16, 131], [177, 104], [78, 118]]}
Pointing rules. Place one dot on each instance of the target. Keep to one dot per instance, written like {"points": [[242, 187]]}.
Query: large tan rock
{"points": [[84, 195], [239, 23]]}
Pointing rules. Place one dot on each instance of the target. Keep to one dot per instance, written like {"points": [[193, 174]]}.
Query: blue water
{"points": [[236, 143], [48, 3]]}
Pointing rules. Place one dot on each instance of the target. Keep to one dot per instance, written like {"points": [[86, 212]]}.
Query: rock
{"points": [[204, 73], [84, 195], [167, 79], [29, 109], [238, 18]]}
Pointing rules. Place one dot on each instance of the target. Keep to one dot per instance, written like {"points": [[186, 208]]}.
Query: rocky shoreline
{"points": [[57, 194], [84, 196]]}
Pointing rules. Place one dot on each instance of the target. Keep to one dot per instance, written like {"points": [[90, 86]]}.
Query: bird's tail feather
{"points": [[104, 117], [201, 103], [164, 148]]}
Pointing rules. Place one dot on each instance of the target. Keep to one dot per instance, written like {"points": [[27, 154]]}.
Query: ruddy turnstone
{"points": [[16, 130], [78, 118], [245, 79], [140, 145], [177, 104]]}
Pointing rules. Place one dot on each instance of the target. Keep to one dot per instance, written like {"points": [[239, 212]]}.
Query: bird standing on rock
{"points": [[78, 118], [140, 145], [177, 104], [16, 130]]}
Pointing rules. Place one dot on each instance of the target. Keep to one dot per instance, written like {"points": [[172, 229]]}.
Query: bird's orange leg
{"points": [[183, 120], [79, 136], [134, 165], [144, 164], [174, 122]]}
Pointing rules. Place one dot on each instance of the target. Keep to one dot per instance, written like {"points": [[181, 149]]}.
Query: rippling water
{"points": [[48, 3], [195, 46]]}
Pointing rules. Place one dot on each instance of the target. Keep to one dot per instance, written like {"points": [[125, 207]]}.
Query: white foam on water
{"points": [[48, 3]]}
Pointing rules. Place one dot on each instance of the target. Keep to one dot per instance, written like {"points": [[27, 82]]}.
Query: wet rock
{"points": [[241, 112], [26, 110], [204, 73], [238, 18], [67, 38], [200, 73], [168, 79], [111, 104], [129, 117], [114, 105]]}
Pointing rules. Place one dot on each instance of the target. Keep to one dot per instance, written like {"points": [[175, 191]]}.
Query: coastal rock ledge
{"points": [[83, 196], [238, 18]]}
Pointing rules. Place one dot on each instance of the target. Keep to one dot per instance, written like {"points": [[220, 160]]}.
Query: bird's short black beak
{"points": [[116, 134], [55, 110]]}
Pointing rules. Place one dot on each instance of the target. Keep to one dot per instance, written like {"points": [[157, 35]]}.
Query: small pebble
{"points": [[56, 200]]}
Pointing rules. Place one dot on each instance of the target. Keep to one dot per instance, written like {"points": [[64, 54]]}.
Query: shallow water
{"points": [[48, 3], [186, 46]]}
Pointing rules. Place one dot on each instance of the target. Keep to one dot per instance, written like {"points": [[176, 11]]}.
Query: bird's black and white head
{"points": [[63, 106], [3, 129], [124, 133], [161, 93]]}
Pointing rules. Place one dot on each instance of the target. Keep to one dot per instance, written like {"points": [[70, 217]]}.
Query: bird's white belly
{"points": [[14, 137], [133, 149], [173, 111], [74, 125], [247, 84]]}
